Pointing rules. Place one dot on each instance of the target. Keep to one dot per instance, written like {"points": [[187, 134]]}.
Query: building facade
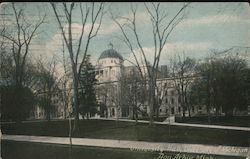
{"points": [[113, 94]]}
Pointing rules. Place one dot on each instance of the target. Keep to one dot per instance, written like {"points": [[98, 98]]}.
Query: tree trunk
{"points": [[48, 115], [157, 108], [151, 102], [65, 101], [136, 115], [208, 113], [189, 111], [75, 102]]}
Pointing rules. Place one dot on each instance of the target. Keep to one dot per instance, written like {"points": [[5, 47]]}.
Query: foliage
{"points": [[224, 85], [48, 88], [133, 92], [182, 69], [90, 11], [16, 102], [87, 97]]}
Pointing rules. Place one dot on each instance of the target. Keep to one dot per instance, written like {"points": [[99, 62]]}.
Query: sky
{"points": [[206, 26]]}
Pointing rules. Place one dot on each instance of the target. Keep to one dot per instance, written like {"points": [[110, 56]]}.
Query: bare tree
{"points": [[132, 92], [48, 84], [65, 93], [162, 28], [102, 96], [20, 37], [65, 85], [182, 71], [92, 14]]}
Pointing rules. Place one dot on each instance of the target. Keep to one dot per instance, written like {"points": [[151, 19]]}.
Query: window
{"points": [[172, 92], [160, 110], [179, 109], [101, 72], [172, 110], [172, 100], [111, 61], [106, 73], [179, 99], [166, 101], [166, 92]]}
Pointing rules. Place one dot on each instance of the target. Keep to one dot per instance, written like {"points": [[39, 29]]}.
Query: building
{"points": [[109, 68], [111, 89]]}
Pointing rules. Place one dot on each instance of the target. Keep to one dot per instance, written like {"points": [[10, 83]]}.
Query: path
{"points": [[137, 145], [186, 124]]}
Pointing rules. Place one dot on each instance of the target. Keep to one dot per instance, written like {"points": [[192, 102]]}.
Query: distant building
{"points": [[57, 110], [110, 70]]}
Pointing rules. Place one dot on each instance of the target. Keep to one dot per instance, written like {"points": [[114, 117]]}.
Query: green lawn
{"points": [[25, 150], [131, 131]]}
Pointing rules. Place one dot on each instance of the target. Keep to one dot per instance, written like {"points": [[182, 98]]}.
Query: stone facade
{"points": [[110, 70]]}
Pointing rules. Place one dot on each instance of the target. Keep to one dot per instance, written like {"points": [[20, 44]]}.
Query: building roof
{"points": [[110, 53]]}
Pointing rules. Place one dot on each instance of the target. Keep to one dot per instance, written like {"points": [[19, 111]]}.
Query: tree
{"points": [[48, 86], [16, 103], [232, 85], [224, 84], [6, 69], [182, 70], [102, 95], [162, 27], [20, 37], [92, 14], [132, 92], [87, 97], [16, 96], [65, 86]]}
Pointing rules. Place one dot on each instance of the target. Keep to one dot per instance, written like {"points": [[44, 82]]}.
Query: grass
{"points": [[242, 121], [131, 131], [25, 150]]}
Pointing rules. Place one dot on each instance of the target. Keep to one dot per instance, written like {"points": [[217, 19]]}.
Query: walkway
{"points": [[137, 145], [185, 124]]}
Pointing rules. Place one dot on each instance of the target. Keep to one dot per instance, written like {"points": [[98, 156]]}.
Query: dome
{"points": [[110, 53]]}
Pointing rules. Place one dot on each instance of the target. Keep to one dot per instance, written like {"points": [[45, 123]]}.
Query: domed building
{"points": [[108, 73], [109, 66], [114, 94]]}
